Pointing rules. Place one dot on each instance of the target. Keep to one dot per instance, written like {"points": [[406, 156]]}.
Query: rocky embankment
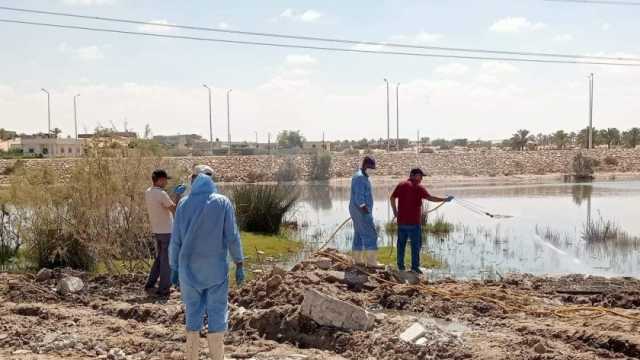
{"points": [[326, 309], [483, 163]]}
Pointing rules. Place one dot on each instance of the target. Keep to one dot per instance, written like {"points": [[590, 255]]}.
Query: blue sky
{"points": [[159, 81]]}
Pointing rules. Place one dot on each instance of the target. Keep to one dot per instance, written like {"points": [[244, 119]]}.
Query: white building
{"points": [[50, 147], [6, 145]]}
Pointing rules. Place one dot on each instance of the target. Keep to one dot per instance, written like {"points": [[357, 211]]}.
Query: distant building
{"points": [[178, 141], [106, 136], [49, 147], [6, 145]]}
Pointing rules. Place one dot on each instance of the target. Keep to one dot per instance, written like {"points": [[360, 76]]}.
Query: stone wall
{"points": [[445, 163]]}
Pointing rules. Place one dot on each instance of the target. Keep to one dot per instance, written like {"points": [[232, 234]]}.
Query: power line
{"points": [[322, 48], [600, 2], [322, 39]]}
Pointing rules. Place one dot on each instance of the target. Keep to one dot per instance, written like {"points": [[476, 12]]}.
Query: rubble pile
{"points": [[323, 308]]}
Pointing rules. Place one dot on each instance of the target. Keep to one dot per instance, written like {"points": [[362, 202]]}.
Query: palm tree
{"points": [[560, 139], [520, 139], [611, 136], [631, 138]]}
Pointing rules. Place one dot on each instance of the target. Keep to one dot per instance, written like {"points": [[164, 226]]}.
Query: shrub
{"points": [[13, 168], [611, 161], [254, 176], [261, 208], [287, 172], [321, 166], [98, 216], [439, 227], [583, 167], [9, 239]]}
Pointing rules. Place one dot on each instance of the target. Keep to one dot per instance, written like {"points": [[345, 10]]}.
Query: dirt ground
{"points": [[514, 318]]}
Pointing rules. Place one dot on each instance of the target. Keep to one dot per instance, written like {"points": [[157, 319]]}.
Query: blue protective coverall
{"points": [[204, 232], [365, 236]]}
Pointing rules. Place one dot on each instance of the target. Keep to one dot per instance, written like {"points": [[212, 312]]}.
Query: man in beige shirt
{"points": [[161, 209]]}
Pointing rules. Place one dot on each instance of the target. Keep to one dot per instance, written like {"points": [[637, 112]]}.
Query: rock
{"points": [[21, 352], [274, 282], [539, 348], [326, 310], [421, 342], [413, 333], [44, 274], [355, 279], [116, 354], [407, 277], [28, 310], [321, 263], [334, 276], [176, 356], [70, 285]]}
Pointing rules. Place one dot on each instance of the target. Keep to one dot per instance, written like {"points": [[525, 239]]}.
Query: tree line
{"points": [[611, 137]]}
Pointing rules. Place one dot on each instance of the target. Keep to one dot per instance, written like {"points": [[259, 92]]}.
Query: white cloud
{"points": [[310, 16], [304, 16], [156, 28], [300, 60], [499, 67], [422, 37], [563, 37], [368, 47], [87, 53], [516, 25], [88, 2], [454, 69], [223, 25], [605, 27]]}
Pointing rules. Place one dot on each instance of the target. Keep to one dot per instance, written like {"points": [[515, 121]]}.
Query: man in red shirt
{"points": [[408, 213]]}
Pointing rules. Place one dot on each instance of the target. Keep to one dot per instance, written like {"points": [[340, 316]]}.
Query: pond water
{"points": [[545, 234]]}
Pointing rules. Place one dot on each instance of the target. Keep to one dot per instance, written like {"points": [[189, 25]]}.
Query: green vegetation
{"points": [[438, 227], [388, 255], [287, 172], [258, 247], [583, 167], [261, 208], [321, 166], [290, 139]]}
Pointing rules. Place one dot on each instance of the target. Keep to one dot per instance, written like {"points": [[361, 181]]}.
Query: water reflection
{"points": [[545, 236]]}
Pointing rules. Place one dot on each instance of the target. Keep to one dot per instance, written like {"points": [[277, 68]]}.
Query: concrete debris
{"points": [[70, 285], [329, 311], [413, 333], [44, 274]]}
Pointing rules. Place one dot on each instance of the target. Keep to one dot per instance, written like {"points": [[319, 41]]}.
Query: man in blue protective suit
{"points": [[365, 237], [204, 232]]}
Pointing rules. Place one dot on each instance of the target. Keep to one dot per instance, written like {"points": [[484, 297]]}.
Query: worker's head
{"points": [[416, 175], [202, 169], [160, 178], [368, 163]]}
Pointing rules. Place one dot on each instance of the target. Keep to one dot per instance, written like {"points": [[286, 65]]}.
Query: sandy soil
{"points": [[512, 318]]}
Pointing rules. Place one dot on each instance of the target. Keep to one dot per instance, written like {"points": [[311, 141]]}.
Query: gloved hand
{"points": [[180, 189], [175, 278], [239, 274], [449, 198]]}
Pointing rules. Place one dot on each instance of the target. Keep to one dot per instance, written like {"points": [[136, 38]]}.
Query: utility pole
{"points": [[591, 81], [324, 146], [388, 135], [256, 139], [269, 143], [418, 143], [210, 121], [228, 122], [397, 117], [75, 115], [48, 112]]}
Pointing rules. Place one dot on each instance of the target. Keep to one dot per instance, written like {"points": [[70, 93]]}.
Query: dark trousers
{"points": [[414, 233], [160, 268]]}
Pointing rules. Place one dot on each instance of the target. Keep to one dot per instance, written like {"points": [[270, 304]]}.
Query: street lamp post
{"points": [[75, 115], [388, 136], [590, 135], [210, 121], [228, 122], [256, 139], [397, 117], [48, 111]]}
